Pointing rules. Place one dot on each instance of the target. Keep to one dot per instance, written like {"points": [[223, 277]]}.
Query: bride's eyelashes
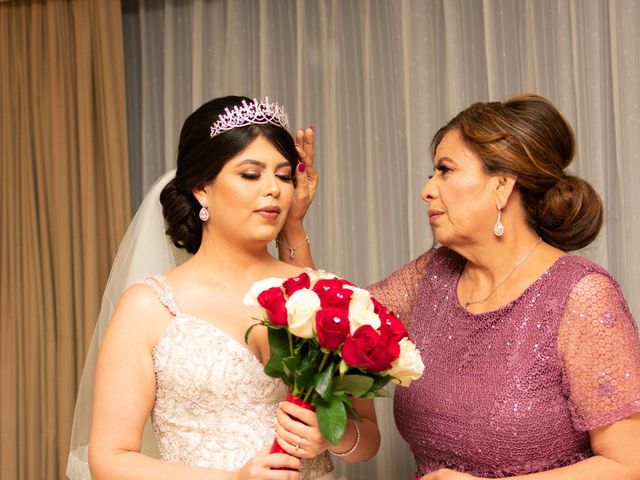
{"points": [[285, 177]]}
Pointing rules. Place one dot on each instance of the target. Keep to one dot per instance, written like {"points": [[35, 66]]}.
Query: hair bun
{"points": [[180, 214], [570, 214]]}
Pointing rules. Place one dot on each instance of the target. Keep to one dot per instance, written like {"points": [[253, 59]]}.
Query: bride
{"points": [[174, 347]]}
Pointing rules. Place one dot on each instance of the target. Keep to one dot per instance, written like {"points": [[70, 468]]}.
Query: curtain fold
{"points": [[64, 205]]}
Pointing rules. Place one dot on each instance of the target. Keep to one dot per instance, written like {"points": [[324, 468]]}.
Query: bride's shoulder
{"points": [[142, 302]]}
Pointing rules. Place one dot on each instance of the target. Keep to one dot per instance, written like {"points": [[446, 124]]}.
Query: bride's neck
{"points": [[232, 260]]}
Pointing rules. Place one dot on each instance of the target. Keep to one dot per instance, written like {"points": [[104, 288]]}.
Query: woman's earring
{"points": [[203, 213], [498, 228]]}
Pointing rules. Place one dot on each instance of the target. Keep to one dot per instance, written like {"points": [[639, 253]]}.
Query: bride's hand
{"points": [[261, 467], [307, 179], [446, 474], [298, 433]]}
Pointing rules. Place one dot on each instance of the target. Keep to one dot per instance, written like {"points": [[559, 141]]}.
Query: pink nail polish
{"points": [[301, 167], [312, 127]]}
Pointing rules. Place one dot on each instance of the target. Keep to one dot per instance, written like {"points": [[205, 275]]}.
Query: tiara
{"points": [[250, 114]]}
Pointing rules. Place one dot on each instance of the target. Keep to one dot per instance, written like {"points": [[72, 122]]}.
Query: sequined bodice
{"points": [[215, 406], [514, 391]]}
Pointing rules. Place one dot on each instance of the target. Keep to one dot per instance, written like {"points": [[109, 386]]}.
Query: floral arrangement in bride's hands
{"points": [[330, 341]]}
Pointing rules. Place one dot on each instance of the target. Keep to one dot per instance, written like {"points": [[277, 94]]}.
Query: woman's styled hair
{"points": [[526, 136], [201, 157]]}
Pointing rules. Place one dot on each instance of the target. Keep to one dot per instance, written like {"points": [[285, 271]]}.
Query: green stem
{"points": [[322, 364], [295, 383], [324, 361]]}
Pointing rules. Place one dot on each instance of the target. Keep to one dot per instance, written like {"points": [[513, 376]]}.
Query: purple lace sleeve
{"points": [[398, 290], [599, 345]]}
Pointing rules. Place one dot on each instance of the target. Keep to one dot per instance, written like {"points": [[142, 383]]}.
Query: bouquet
{"points": [[330, 341]]}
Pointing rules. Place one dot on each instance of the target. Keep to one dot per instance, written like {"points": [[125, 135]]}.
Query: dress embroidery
{"points": [[215, 407]]}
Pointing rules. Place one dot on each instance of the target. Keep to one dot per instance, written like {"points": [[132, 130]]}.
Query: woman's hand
{"points": [[274, 466], [446, 474], [298, 433], [306, 175]]}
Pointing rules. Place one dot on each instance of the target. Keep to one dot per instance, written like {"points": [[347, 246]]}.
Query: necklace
{"points": [[466, 289]]}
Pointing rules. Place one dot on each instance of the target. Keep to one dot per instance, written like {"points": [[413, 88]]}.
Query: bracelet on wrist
{"points": [[292, 250], [355, 445]]}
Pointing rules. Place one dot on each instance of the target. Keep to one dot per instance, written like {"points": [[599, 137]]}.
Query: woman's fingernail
{"points": [[301, 167], [312, 127]]}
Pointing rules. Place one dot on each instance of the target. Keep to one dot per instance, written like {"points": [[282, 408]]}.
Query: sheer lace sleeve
{"points": [[598, 343], [398, 290]]}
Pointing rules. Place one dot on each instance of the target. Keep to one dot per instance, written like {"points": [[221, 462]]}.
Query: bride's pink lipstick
{"points": [[271, 212]]}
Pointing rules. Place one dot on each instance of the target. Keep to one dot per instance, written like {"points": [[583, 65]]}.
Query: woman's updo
{"points": [[200, 159], [526, 136]]}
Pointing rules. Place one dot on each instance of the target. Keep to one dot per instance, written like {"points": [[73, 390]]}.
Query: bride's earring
{"points": [[203, 213], [498, 228]]}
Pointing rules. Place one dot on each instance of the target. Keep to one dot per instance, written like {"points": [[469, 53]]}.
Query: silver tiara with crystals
{"points": [[250, 114]]}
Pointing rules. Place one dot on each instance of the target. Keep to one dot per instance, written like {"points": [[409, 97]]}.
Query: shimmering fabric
{"points": [[215, 406], [514, 391]]}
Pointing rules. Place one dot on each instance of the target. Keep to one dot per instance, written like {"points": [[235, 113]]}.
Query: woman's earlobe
{"points": [[506, 185]]}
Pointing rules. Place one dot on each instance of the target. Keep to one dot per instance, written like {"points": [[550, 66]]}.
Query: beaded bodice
{"points": [[215, 407], [515, 390]]}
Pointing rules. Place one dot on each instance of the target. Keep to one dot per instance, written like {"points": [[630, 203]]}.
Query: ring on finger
{"points": [[299, 442]]}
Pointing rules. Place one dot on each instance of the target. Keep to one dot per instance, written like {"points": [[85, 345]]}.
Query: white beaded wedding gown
{"points": [[215, 407]]}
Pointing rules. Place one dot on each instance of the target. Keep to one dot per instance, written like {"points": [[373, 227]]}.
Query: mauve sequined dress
{"points": [[516, 390]]}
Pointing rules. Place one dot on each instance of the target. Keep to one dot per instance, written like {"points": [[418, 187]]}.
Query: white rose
{"points": [[315, 275], [360, 301], [251, 297], [408, 366], [363, 317], [301, 309]]}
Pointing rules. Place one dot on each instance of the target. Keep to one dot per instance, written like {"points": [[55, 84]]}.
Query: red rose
{"points": [[391, 325], [332, 325], [272, 300], [377, 306], [332, 293], [292, 285], [369, 350]]}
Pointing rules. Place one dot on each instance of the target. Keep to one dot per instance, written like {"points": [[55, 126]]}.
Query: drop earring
{"points": [[203, 213], [498, 228]]}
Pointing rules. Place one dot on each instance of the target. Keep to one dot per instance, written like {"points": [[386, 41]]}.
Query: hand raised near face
{"points": [[306, 175]]}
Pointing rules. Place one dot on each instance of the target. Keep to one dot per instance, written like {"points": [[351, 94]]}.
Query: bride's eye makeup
{"points": [[250, 175]]}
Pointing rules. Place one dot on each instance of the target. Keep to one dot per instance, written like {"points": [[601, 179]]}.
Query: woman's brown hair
{"points": [[526, 136]]}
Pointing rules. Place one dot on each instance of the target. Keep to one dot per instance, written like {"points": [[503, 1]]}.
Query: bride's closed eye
{"points": [[250, 175]]}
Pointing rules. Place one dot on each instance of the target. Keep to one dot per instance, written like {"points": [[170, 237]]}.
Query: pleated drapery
{"points": [[64, 203]]}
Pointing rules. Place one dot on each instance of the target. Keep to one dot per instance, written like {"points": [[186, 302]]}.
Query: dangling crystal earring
{"points": [[203, 213], [498, 228]]}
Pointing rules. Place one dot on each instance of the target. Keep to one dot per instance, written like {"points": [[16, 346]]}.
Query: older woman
{"points": [[532, 356]]}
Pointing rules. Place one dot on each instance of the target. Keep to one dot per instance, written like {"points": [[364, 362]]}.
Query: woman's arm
{"points": [[360, 441], [293, 243], [398, 290], [616, 457], [124, 396]]}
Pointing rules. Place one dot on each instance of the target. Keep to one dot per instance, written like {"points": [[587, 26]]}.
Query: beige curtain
{"points": [[64, 203]]}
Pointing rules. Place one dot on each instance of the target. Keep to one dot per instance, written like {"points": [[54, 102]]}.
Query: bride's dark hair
{"points": [[200, 159]]}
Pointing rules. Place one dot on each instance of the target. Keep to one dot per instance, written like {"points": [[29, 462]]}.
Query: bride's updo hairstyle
{"points": [[526, 136], [200, 159]]}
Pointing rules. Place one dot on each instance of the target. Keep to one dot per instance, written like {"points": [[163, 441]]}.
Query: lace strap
{"points": [[160, 285]]}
